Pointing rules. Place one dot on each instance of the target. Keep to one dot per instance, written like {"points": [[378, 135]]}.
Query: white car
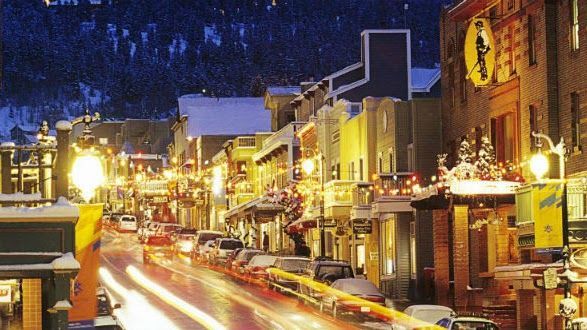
{"points": [[127, 223], [424, 315], [203, 251], [222, 248], [364, 294], [150, 230], [466, 323], [105, 318]]}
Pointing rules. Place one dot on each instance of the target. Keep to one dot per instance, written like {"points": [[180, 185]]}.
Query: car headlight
{"points": [[186, 246]]}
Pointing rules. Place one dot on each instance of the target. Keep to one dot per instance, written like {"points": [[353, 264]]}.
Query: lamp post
{"points": [[539, 167], [87, 172], [308, 167]]}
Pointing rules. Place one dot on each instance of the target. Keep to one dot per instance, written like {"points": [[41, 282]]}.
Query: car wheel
{"points": [[334, 310]]}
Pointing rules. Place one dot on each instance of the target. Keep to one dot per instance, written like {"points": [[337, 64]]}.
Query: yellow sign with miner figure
{"points": [[547, 213], [479, 52]]}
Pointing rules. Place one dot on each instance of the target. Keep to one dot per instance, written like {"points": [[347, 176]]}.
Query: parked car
{"points": [[323, 271], [157, 247], [257, 266], [106, 220], [203, 236], [467, 323], [242, 259], [222, 248], [127, 223], [184, 241], [294, 265], [150, 230], [430, 314], [363, 292], [114, 219], [168, 229], [201, 252], [142, 229], [105, 318], [231, 256]]}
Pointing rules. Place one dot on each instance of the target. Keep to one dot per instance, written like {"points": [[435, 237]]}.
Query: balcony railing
{"points": [[394, 184], [338, 193], [244, 142], [362, 194]]}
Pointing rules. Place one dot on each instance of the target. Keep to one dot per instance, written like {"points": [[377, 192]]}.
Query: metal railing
{"points": [[394, 184], [244, 142], [362, 194]]}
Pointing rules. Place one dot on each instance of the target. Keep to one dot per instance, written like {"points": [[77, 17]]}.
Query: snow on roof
{"points": [[424, 78], [65, 262], [284, 90], [224, 116], [61, 209]]}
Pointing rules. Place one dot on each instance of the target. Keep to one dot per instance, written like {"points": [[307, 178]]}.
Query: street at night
{"points": [[197, 297], [293, 164]]}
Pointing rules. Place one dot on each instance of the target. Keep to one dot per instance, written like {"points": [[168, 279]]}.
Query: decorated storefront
{"points": [[474, 232]]}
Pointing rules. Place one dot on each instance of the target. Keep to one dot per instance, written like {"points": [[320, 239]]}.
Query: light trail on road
{"points": [[138, 313], [196, 314]]}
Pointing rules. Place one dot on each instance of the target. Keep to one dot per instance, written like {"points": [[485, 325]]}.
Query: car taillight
{"points": [[257, 268], [375, 299]]}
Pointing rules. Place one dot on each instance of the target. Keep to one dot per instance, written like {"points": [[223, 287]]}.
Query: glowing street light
{"points": [[87, 173], [539, 165], [308, 166]]}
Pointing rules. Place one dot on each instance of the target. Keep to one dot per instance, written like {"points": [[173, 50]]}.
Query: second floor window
{"points": [[574, 24], [575, 120], [531, 40]]}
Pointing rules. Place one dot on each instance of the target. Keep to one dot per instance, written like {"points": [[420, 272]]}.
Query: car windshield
{"points": [[169, 229], [430, 315], [188, 231], [159, 241], [185, 237], [103, 305], [230, 245], [153, 225], [204, 237], [335, 271], [472, 325], [262, 260], [129, 219], [357, 286], [248, 255], [292, 265]]}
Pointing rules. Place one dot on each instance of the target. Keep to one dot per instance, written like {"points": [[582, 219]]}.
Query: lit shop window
{"points": [[388, 248]]}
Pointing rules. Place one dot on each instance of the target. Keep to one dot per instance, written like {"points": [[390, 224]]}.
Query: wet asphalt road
{"points": [[173, 294]]}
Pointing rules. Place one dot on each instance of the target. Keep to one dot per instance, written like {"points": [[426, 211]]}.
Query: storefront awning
{"points": [[302, 224], [260, 208]]}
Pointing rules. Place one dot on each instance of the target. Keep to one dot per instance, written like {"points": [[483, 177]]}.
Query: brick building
{"points": [[537, 85]]}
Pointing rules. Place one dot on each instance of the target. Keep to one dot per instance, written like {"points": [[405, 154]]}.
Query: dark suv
{"points": [[324, 271]]}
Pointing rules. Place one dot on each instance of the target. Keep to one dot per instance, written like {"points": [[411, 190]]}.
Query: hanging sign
{"points": [[550, 278], [479, 52], [5, 294], [362, 226], [547, 213]]}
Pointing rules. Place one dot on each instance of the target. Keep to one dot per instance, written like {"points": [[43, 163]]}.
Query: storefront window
{"points": [[388, 248]]}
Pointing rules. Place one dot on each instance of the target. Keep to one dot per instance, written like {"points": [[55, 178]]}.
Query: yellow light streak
{"points": [[194, 313]]}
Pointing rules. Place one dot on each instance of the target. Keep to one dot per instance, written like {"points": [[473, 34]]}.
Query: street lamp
{"points": [[87, 172], [539, 167], [308, 167]]}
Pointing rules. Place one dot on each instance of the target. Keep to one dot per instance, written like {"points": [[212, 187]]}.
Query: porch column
{"points": [[6, 172], [62, 167], [461, 255], [441, 256]]}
